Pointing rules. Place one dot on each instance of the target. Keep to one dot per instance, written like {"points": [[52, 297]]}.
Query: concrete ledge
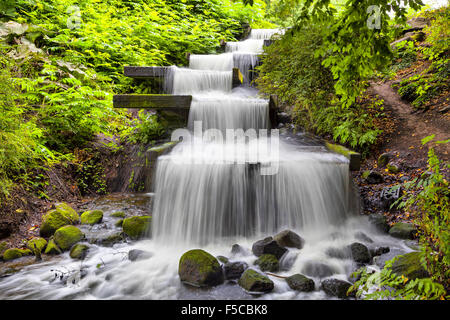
{"points": [[144, 72], [352, 156], [152, 101]]}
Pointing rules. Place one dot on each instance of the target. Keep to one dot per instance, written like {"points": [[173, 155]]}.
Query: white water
{"points": [[212, 195]]}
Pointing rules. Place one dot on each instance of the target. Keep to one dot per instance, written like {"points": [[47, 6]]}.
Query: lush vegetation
{"points": [[62, 60]]}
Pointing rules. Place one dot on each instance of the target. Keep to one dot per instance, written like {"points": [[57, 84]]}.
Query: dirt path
{"points": [[412, 127]]}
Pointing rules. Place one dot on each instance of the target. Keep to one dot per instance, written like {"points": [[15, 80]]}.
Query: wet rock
{"points": [[61, 215], [268, 262], [222, 259], [15, 253], [339, 253], [119, 223], [268, 246], [79, 251], [234, 270], [52, 248], [253, 281], [379, 222], [67, 236], [290, 239], [372, 177], [360, 253], [199, 268], [403, 230], [409, 265], [383, 160], [299, 282], [108, 240], [288, 260], [92, 217], [336, 288], [361, 236], [136, 254], [237, 249], [37, 243], [317, 269], [379, 251], [118, 214], [137, 227]]}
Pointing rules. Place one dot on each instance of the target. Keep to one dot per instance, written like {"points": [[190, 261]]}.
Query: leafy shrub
{"points": [[147, 129]]}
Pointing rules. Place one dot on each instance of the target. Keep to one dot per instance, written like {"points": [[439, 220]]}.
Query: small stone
{"points": [[268, 262], [393, 168], [119, 223], [383, 160], [136, 254], [255, 282], [268, 246], [336, 288], [79, 251], [137, 227], [234, 270], [299, 282], [67, 236], [118, 214], [290, 239], [15, 253], [37, 243], [372, 177], [403, 230], [237, 249], [52, 248], [92, 217]]}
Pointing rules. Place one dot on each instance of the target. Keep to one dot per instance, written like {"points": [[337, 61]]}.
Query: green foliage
{"points": [[147, 129], [388, 285], [428, 198], [91, 177]]}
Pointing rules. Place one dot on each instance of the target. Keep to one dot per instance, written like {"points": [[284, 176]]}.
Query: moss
{"points": [[3, 247], [253, 281], [163, 147], [198, 267], [118, 214], [54, 219], [15, 253], [403, 230], [52, 248], [79, 251], [409, 265], [92, 217], [136, 227], [40, 244], [392, 168], [354, 157], [268, 262], [119, 223], [67, 236], [365, 174]]}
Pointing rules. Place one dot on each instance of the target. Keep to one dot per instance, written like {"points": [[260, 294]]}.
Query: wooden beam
{"points": [[352, 156], [144, 72], [152, 101]]}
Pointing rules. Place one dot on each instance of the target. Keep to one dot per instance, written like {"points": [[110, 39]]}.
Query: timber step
{"points": [[152, 101]]}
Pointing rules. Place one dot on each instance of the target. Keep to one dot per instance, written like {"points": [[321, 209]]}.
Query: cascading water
{"points": [[212, 193]]}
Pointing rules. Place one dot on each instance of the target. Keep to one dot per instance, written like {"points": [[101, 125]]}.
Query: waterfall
{"points": [[207, 190], [265, 33]]}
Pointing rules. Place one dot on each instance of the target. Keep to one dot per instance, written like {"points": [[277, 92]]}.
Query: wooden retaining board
{"points": [[152, 101], [144, 72]]}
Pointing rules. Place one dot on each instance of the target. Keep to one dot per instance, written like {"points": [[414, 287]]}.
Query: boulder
{"points": [[253, 281], [237, 249], [118, 214], [363, 237], [379, 222], [14, 253], [199, 268], [372, 177], [360, 253], [290, 239], [268, 262], [403, 230], [92, 217], [409, 265], [317, 269], [37, 243], [383, 160], [67, 236], [379, 251], [136, 254], [268, 246], [299, 282], [222, 259], [336, 288], [79, 251], [137, 227], [234, 270], [52, 248], [61, 215]]}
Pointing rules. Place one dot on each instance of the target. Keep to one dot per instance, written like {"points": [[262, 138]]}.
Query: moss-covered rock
{"points": [[137, 227], [61, 215], [253, 281], [409, 265], [118, 214], [393, 168], [403, 230], [91, 217], [290, 239], [268, 262], [119, 223], [37, 243], [15, 253], [383, 160], [268, 246], [299, 282], [52, 248], [222, 259], [79, 251], [199, 268], [3, 247], [67, 236], [336, 287]]}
